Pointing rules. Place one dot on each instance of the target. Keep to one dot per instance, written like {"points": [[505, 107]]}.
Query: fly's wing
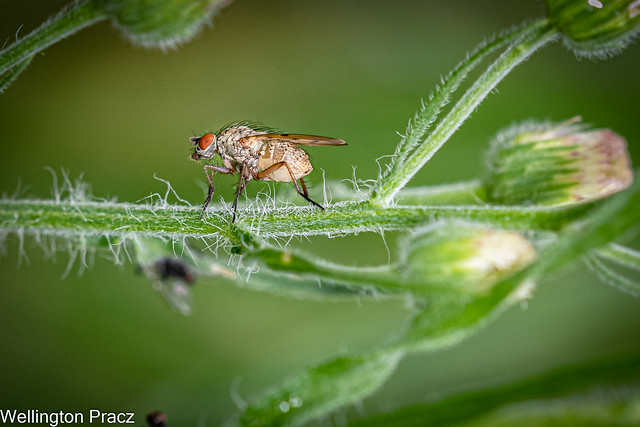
{"points": [[295, 138]]}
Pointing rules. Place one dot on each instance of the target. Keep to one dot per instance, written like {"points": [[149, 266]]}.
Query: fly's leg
{"points": [[302, 192], [212, 188], [305, 194], [241, 184]]}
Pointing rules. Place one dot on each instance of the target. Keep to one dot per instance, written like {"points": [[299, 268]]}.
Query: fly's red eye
{"points": [[205, 141]]}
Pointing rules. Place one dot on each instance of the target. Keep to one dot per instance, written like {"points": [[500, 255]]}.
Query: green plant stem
{"points": [[606, 376], [387, 187], [68, 21], [621, 255], [429, 111], [611, 277], [13, 74], [48, 216], [321, 390], [385, 278], [459, 193]]}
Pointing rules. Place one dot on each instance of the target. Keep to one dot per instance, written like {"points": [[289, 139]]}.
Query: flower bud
{"points": [[161, 23], [556, 164], [465, 256], [594, 27]]}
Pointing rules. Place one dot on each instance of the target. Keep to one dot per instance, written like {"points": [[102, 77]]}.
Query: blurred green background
{"points": [[95, 105]]}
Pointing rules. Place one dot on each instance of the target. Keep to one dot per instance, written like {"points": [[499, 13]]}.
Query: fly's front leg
{"points": [[302, 192], [242, 182], [209, 170]]}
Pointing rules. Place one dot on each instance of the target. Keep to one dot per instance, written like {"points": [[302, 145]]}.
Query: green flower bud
{"points": [[594, 27], [465, 256], [161, 23], [556, 164]]}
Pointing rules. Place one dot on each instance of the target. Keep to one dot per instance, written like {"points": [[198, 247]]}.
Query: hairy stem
{"points": [[429, 111], [13, 74], [385, 278], [621, 255], [68, 21], [53, 217], [390, 185], [459, 193]]}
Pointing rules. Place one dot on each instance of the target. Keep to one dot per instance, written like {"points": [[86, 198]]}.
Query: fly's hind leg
{"points": [[209, 170], [305, 194], [302, 192]]}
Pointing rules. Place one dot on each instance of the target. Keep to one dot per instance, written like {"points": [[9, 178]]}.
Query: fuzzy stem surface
{"points": [[68, 21]]}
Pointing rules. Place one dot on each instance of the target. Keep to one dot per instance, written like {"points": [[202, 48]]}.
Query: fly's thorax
{"points": [[230, 141], [234, 151]]}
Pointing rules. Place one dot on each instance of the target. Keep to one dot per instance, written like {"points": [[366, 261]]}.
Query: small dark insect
{"points": [[256, 153], [168, 268], [157, 419]]}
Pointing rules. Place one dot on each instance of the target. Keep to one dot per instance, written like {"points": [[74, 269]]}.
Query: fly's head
{"points": [[205, 146]]}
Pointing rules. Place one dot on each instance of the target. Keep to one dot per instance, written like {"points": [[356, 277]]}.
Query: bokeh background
{"points": [[95, 105]]}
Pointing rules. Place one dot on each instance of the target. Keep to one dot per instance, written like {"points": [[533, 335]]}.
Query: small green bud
{"points": [[465, 256], [556, 164], [161, 23], [594, 27]]}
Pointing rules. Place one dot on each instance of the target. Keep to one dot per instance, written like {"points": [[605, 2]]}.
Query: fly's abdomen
{"points": [[295, 159]]}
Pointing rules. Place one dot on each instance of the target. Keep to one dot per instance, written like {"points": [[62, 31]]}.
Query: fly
{"points": [[256, 153]]}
